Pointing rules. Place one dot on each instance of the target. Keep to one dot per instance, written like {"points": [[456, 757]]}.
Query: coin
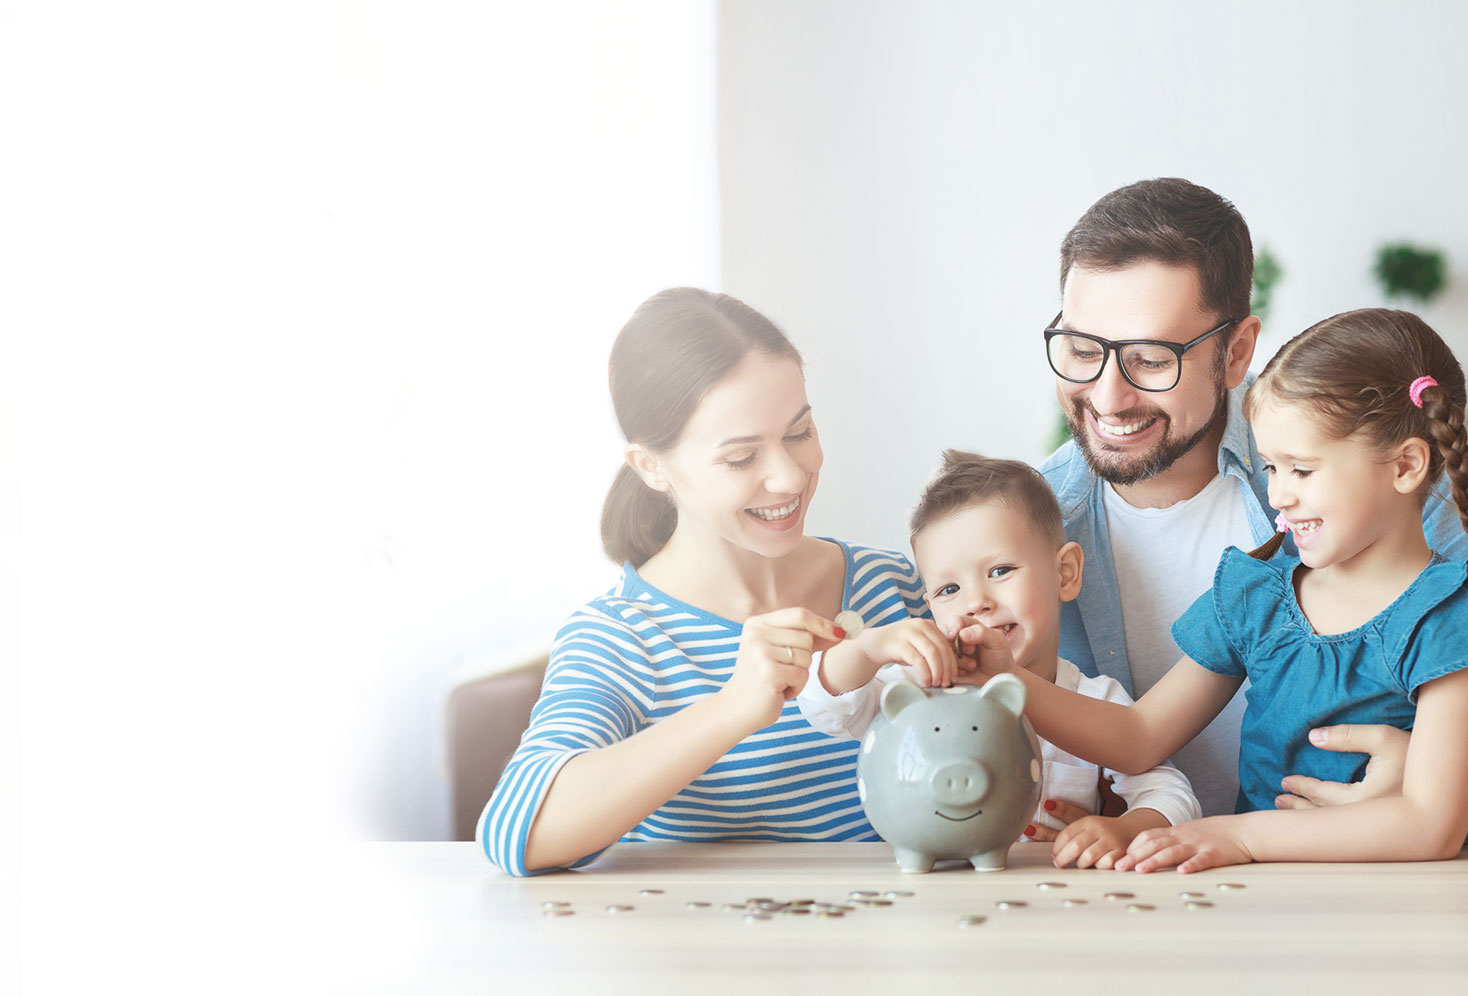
{"points": [[557, 911], [829, 915], [732, 908], [801, 902], [873, 902], [862, 894], [1010, 904], [551, 904], [1190, 895], [896, 894], [972, 920], [752, 917], [836, 908], [1050, 885], [851, 621], [615, 908], [759, 899], [1198, 904], [796, 910], [696, 904], [1073, 902], [1230, 886], [1121, 895], [652, 892], [1139, 907]]}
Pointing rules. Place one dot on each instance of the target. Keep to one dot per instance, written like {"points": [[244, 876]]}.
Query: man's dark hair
{"points": [[1170, 221]]}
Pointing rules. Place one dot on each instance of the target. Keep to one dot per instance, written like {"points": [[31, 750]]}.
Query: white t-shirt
{"points": [[1165, 558]]}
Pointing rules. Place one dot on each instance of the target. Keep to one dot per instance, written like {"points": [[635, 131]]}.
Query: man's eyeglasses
{"points": [[1147, 364]]}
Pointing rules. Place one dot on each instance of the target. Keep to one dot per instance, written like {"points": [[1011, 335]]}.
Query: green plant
{"points": [[1409, 271], [1267, 273]]}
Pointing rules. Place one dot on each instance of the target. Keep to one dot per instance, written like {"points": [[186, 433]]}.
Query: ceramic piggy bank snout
{"points": [[950, 773]]}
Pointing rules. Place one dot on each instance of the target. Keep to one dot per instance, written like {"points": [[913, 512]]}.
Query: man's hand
{"points": [[1387, 747]]}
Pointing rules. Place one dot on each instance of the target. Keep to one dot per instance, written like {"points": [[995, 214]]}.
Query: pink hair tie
{"points": [[1280, 525], [1418, 386]]}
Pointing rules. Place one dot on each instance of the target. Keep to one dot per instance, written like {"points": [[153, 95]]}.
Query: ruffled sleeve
{"points": [[1426, 636], [1242, 617]]}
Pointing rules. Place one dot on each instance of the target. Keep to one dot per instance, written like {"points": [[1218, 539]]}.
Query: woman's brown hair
{"points": [[1355, 371], [675, 347]]}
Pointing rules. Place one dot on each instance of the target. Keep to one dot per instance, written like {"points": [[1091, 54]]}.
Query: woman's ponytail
{"points": [[676, 346], [635, 520]]}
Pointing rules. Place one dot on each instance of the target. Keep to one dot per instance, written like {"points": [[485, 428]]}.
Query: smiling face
{"points": [[1340, 497], [986, 563], [745, 469], [1128, 435]]}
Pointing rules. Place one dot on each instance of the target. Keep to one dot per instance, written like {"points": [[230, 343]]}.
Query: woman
{"points": [[667, 708]]}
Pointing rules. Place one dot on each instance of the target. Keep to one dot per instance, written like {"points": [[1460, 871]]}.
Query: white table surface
{"points": [[437, 917]]}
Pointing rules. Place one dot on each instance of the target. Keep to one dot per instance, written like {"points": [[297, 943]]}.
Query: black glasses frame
{"points": [[1108, 347]]}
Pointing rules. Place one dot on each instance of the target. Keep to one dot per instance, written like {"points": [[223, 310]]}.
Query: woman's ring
{"points": [[790, 653]]}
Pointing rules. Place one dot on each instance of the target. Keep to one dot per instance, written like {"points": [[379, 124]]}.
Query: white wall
{"points": [[308, 308], [897, 177]]}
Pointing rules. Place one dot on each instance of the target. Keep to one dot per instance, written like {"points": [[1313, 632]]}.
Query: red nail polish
{"points": [[1049, 805], [840, 633], [1030, 830]]}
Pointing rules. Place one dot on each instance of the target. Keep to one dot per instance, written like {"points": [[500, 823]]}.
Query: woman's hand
{"points": [[1192, 846], [774, 663], [1387, 747]]}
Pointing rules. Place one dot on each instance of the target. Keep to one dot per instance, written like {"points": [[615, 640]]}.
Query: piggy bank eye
{"points": [[935, 729], [974, 728]]}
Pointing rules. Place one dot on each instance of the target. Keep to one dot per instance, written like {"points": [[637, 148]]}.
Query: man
{"points": [[1151, 352]]}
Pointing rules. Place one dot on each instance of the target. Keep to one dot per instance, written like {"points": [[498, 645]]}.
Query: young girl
{"points": [[667, 710], [1357, 417]]}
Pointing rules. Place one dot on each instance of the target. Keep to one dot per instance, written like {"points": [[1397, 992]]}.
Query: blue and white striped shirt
{"points": [[635, 656]]}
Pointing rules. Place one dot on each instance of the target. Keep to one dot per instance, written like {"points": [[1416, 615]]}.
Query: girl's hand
{"points": [[917, 644], [1387, 748], [774, 663], [1192, 846], [988, 650]]}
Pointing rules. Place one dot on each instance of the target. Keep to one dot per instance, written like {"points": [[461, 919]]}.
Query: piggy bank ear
{"points": [[901, 694], [1005, 689]]}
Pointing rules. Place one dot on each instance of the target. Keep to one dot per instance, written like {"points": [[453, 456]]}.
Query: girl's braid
{"points": [[1445, 423]]}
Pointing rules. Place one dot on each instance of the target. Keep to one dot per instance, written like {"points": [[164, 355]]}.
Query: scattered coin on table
{"points": [[1050, 885], [1230, 886], [1197, 904], [1139, 907], [1010, 904], [1121, 895], [615, 908], [972, 920]]}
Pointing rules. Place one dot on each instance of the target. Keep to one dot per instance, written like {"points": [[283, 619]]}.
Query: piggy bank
{"points": [[950, 772]]}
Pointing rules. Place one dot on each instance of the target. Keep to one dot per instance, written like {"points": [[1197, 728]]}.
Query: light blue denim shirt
{"points": [[1091, 633]]}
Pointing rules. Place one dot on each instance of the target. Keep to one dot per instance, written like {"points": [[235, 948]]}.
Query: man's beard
{"points": [[1164, 454]]}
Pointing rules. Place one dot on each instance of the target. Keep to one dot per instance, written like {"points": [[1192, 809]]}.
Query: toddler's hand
{"points": [[917, 644], [1091, 842]]}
